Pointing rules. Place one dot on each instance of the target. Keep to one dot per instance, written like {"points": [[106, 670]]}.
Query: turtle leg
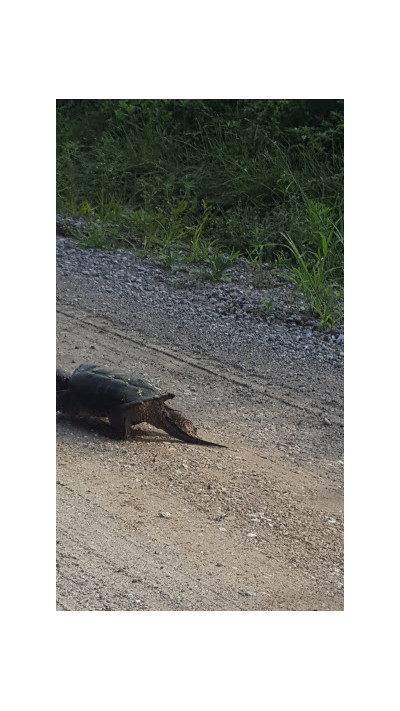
{"points": [[120, 423]]}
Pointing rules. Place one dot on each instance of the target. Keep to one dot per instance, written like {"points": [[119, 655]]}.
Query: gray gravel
{"points": [[215, 315]]}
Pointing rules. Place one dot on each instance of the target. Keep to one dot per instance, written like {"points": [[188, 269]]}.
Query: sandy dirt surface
{"points": [[156, 524]]}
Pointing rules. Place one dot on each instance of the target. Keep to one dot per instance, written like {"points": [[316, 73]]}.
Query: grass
{"points": [[205, 181], [219, 262], [315, 277], [266, 306]]}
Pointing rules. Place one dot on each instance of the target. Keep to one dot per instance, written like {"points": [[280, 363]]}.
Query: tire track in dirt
{"points": [[138, 565], [256, 384]]}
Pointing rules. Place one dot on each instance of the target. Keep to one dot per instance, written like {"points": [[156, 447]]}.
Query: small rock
{"points": [[326, 421], [251, 535], [340, 338], [164, 514]]}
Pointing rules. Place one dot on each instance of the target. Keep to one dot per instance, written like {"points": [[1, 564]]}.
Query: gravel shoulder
{"points": [[157, 524]]}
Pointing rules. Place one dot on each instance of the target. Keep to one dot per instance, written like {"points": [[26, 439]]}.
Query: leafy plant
{"points": [[256, 254], [267, 305], [317, 281], [219, 263], [199, 248], [93, 237], [170, 257]]}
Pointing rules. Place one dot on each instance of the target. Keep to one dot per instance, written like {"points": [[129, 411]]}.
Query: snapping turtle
{"points": [[125, 400]]}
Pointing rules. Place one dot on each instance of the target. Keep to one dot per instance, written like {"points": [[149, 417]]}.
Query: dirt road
{"points": [[157, 524]]}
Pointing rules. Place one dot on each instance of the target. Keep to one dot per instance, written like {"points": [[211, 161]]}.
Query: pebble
{"points": [[164, 514]]}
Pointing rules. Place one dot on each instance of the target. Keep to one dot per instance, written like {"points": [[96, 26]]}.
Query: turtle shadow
{"points": [[103, 428]]}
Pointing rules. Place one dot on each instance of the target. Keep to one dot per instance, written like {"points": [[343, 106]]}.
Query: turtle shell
{"points": [[102, 389]]}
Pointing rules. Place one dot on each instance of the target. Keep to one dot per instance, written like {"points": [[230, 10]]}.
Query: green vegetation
{"points": [[203, 181]]}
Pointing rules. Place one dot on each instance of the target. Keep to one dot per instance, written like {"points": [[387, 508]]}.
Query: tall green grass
{"points": [[207, 180]]}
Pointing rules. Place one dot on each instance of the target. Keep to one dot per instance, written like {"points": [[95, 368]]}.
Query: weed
{"points": [[170, 257], [317, 281], [256, 259], [255, 255], [267, 306], [219, 263], [199, 248], [92, 237]]}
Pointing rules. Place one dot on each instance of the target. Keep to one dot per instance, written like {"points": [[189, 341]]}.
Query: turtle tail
{"points": [[62, 380], [62, 392]]}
